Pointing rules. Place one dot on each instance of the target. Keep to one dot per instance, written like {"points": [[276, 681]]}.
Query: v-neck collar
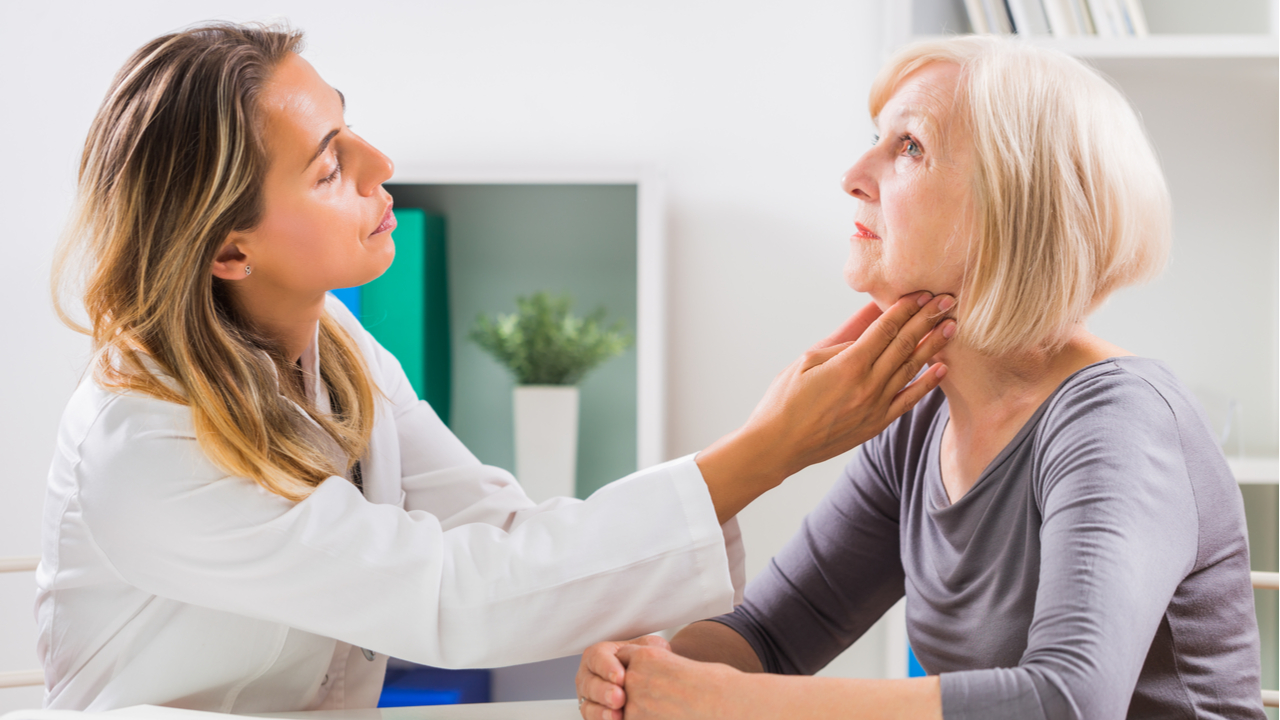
{"points": [[938, 491]]}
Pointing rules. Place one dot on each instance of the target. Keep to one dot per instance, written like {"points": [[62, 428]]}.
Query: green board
{"points": [[437, 357], [407, 309]]}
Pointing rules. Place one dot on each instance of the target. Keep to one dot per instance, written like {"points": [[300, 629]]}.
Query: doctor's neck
{"points": [[285, 318]]}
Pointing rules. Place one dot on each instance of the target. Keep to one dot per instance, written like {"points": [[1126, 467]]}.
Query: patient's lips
{"points": [[864, 234]]}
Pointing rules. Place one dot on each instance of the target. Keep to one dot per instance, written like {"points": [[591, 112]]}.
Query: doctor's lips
{"points": [[388, 221], [863, 233]]}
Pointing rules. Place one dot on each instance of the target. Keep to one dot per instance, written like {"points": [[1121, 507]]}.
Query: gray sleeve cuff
{"points": [[1002, 694]]}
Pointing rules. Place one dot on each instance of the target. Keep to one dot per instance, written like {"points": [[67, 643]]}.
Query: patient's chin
{"points": [[857, 275]]}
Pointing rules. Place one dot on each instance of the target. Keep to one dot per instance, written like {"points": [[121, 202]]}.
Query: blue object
{"points": [[351, 298], [914, 668], [421, 685], [414, 697]]}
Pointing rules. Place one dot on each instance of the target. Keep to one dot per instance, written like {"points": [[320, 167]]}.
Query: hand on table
{"points": [[645, 680], [600, 677]]}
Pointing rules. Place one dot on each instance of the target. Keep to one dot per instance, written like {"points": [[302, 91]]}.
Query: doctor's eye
{"points": [[337, 169]]}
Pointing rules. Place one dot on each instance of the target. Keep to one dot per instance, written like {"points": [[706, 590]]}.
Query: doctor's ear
{"points": [[231, 263]]}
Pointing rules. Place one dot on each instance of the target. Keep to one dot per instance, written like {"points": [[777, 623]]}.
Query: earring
{"points": [[248, 270]]}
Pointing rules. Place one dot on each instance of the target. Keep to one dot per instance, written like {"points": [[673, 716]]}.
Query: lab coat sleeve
{"points": [[442, 477], [637, 556]]}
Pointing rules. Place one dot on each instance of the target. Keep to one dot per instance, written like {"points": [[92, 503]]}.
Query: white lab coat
{"points": [[164, 581]]}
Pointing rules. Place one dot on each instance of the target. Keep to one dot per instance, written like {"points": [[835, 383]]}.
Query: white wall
{"points": [[751, 110]]}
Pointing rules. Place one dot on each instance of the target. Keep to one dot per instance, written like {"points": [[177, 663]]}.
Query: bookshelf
{"points": [[1206, 47], [1239, 29], [1205, 83]]}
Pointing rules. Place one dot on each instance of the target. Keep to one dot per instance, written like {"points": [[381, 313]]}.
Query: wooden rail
{"points": [[25, 678], [1265, 580], [25, 563]]}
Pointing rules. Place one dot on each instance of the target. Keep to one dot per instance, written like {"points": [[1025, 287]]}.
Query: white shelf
{"points": [[1255, 470], [1261, 47]]}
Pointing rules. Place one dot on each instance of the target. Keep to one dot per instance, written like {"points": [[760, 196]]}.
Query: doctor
{"points": [[249, 509]]}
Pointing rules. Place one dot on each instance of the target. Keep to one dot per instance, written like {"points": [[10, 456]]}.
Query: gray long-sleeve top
{"points": [[1097, 569]]}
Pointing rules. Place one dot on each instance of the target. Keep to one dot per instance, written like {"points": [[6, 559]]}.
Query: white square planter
{"points": [[546, 418]]}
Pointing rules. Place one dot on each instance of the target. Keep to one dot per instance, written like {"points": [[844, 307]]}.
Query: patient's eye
{"points": [[910, 146]]}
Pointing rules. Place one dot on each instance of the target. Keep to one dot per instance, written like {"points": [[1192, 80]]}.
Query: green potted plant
{"points": [[548, 350]]}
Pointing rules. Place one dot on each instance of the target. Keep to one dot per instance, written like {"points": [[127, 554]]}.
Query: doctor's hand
{"points": [[661, 685], [844, 391], [601, 675]]}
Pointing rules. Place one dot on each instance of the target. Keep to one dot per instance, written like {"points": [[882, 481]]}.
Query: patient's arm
{"points": [[709, 641]]}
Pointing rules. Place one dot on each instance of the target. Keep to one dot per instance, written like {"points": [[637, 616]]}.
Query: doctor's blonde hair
{"points": [[173, 163], [1069, 200]]}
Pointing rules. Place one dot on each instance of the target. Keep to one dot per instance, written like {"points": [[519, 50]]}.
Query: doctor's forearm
{"points": [[738, 468]]}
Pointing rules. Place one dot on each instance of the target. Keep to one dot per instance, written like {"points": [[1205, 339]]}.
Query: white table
{"points": [[535, 710]]}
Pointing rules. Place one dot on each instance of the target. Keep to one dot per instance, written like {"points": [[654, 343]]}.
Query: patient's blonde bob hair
{"points": [[1068, 196], [174, 162]]}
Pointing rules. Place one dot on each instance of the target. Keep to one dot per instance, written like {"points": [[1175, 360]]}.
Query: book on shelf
{"points": [[1135, 19], [1101, 13], [1028, 17], [1080, 8], [997, 17], [977, 16], [1059, 18]]}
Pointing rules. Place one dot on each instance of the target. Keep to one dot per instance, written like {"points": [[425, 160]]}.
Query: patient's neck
{"points": [[990, 398], [980, 387]]}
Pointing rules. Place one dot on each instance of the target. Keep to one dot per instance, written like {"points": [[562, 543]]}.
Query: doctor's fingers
{"points": [[852, 328], [895, 335], [928, 348]]}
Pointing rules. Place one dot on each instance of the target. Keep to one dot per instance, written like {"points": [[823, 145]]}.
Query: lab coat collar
{"points": [[318, 394], [311, 383]]}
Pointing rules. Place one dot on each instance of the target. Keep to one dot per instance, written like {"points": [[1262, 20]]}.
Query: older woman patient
{"points": [[1068, 536]]}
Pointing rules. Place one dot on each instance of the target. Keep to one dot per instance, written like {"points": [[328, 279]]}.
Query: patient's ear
{"points": [[231, 262]]}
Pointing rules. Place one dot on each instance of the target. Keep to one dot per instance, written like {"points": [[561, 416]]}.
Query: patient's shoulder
{"points": [[1118, 393], [1130, 419]]}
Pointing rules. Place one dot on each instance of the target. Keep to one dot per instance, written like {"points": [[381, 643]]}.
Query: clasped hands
{"points": [[651, 681]]}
